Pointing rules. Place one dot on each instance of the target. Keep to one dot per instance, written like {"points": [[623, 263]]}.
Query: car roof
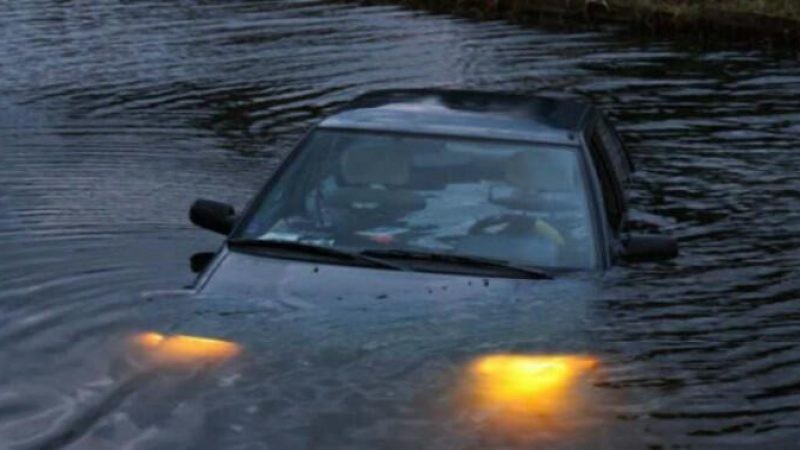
{"points": [[465, 113]]}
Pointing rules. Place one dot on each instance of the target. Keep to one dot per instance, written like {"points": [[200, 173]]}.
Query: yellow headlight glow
{"points": [[518, 395], [181, 349]]}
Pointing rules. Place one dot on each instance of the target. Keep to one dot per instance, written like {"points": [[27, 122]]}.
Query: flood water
{"points": [[115, 115]]}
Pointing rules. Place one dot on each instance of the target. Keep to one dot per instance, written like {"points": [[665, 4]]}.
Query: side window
{"points": [[619, 158], [613, 195]]}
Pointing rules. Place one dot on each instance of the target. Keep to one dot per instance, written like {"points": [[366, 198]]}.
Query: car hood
{"points": [[345, 346], [253, 290]]}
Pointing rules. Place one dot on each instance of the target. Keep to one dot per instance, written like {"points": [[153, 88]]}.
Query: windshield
{"points": [[518, 202]]}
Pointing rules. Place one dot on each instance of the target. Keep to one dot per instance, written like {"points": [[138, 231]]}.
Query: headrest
{"points": [[544, 171], [368, 165]]}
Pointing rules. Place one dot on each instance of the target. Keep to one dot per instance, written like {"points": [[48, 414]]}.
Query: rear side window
{"points": [[618, 156], [613, 194]]}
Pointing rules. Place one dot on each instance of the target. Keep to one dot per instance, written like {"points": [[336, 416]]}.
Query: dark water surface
{"points": [[115, 115]]}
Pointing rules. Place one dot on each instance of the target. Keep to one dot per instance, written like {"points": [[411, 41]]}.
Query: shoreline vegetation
{"points": [[735, 19]]}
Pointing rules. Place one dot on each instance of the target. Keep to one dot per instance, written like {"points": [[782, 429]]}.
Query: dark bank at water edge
{"points": [[776, 20]]}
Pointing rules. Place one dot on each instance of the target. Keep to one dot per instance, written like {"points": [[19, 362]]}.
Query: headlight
{"points": [[181, 350], [542, 395]]}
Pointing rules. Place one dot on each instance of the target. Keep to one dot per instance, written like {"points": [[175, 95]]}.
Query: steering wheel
{"points": [[517, 224]]}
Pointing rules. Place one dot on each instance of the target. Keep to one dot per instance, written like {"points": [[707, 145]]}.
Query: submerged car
{"points": [[408, 249], [442, 182]]}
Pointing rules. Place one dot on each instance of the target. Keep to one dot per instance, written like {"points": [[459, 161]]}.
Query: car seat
{"points": [[373, 187], [541, 181]]}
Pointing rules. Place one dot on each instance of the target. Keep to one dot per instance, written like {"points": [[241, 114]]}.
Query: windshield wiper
{"points": [[311, 249], [461, 260]]}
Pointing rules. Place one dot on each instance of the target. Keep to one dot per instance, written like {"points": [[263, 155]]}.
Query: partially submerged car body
{"points": [[312, 276], [402, 164]]}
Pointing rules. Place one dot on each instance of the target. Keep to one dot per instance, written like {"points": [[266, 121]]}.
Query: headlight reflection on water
{"points": [[529, 395], [183, 350]]}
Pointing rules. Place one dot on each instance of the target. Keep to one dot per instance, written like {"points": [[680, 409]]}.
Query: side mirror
{"points": [[214, 216], [648, 247]]}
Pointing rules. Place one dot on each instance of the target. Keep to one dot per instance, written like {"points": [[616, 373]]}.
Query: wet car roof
{"points": [[465, 113]]}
